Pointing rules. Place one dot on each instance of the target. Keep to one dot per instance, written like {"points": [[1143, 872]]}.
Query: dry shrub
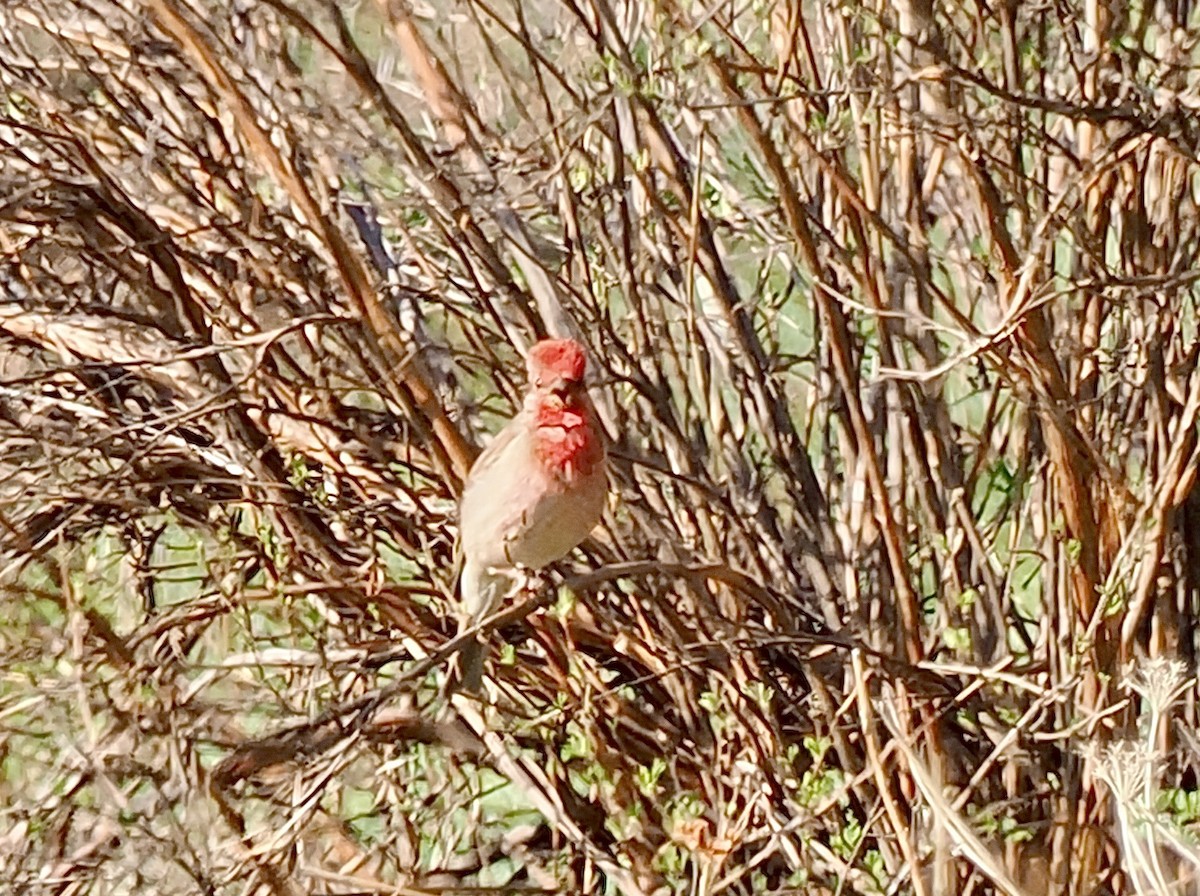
{"points": [[892, 315]]}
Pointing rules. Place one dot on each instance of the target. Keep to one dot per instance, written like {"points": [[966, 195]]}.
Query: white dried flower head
{"points": [[1158, 680], [1126, 766]]}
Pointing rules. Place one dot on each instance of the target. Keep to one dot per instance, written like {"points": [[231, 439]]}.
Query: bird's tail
{"points": [[467, 675], [480, 593]]}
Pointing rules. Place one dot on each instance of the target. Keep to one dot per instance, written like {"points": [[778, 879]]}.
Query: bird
{"points": [[534, 494]]}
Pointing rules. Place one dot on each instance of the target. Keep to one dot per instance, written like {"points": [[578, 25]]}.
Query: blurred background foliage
{"points": [[892, 316]]}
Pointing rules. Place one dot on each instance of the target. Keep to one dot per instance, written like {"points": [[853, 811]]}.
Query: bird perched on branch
{"points": [[534, 493]]}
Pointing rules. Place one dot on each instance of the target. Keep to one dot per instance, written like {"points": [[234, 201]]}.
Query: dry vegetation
{"points": [[893, 317]]}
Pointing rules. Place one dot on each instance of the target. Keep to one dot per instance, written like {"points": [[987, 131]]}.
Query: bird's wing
{"points": [[497, 495]]}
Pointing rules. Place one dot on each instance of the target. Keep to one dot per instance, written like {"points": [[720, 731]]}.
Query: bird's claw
{"points": [[531, 581]]}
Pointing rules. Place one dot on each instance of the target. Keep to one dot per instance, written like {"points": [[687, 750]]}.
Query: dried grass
{"points": [[892, 309]]}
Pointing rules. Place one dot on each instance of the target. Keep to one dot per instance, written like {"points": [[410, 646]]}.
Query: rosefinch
{"points": [[535, 492]]}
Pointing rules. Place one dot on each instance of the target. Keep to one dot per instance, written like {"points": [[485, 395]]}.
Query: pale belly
{"points": [[508, 523], [557, 523]]}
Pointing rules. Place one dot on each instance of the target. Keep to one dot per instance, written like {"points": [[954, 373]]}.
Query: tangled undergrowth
{"points": [[892, 316]]}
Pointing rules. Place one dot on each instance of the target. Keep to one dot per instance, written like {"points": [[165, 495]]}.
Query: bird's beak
{"points": [[562, 387]]}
